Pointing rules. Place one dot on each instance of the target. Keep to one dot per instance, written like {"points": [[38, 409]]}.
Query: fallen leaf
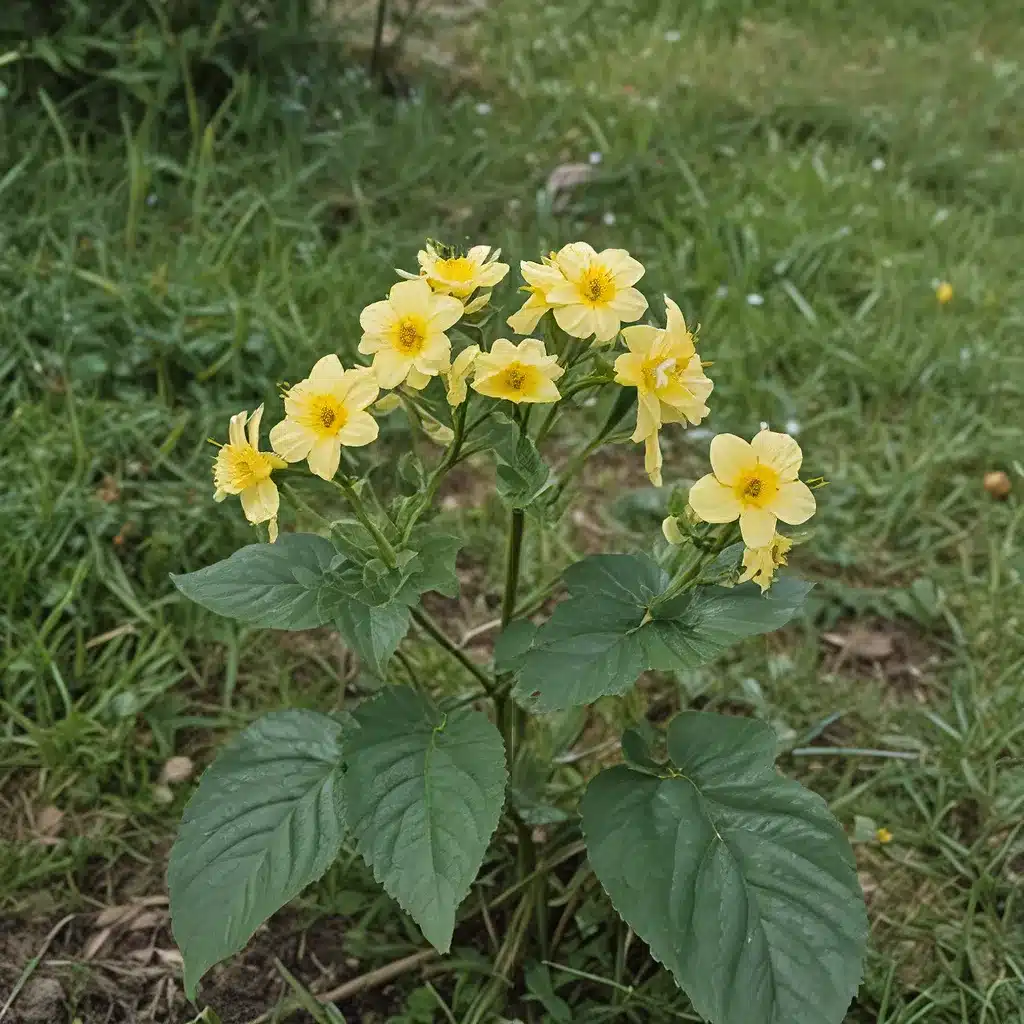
{"points": [[146, 919], [869, 644], [48, 822], [169, 956], [110, 916], [96, 942], [563, 179]]}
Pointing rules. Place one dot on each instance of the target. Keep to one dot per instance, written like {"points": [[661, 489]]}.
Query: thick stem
{"points": [[513, 555], [387, 552]]}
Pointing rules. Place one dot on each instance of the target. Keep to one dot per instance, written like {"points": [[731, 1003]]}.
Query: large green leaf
{"points": [[740, 881], [271, 585], [424, 790], [522, 475], [267, 819], [611, 628], [372, 631]]}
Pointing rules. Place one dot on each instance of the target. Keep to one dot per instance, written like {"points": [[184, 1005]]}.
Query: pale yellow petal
{"points": [[416, 380], [478, 303], [291, 440], [272, 530], [327, 373], [606, 323], [444, 312], [625, 270], [757, 526], [648, 416], [530, 350], [254, 427], [236, 429], [436, 354], [544, 390], [576, 320], [377, 318], [360, 429], [526, 319], [675, 323], [780, 452], [714, 502], [640, 339], [490, 275], [730, 457], [540, 275], [370, 343], [629, 304], [794, 504], [564, 294], [629, 370], [324, 456], [411, 298], [261, 501], [573, 259], [390, 368], [652, 458], [358, 389]]}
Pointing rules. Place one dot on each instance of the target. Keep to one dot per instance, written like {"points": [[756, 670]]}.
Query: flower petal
{"points": [[444, 312], [377, 317], [757, 526], [360, 429], [236, 428], [261, 501], [794, 504], [606, 323], [417, 380], [648, 416], [327, 373], [411, 298], [628, 304], [254, 427], [324, 456], [626, 270], [640, 339], [780, 452], [491, 275], [524, 321], [530, 350], [564, 294], [573, 259], [291, 440], [652, 458], [390, 368], [358, 389], [544, 390], [730, 457], [370, 343], [713, 501]]}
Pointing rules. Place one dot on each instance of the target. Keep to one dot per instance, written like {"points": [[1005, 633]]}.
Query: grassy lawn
{"points": [[799, 176]]}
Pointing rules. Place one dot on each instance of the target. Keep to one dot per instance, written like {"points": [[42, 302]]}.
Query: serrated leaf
{"points": [[424, 791], [267, 819], [512, 644], [271, 585], [436, 569], [740, 881], [522, 475], [372, 631], [611, 628]]}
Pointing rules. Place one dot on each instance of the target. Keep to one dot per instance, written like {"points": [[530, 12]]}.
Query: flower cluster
{"points": [[590, 295]]}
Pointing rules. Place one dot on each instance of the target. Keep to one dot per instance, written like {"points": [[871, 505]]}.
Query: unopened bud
{"points": [[388, 403], [670, 528]]}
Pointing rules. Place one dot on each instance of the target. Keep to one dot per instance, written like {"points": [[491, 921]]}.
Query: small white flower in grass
{"points": [[152, 199], [483, 109], [721, 291], [595, 157], [753, 299], [764, 424], [608, 218], [792, 427], [878, 164], [673, 35]]}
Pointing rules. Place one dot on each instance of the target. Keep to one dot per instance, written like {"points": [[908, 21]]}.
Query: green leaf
{"points": [[424, 792], [610, 629], [740, 881], [522, 476], [372, 631], [512, 644], [270, 585], [436, 567], [267, 819]]}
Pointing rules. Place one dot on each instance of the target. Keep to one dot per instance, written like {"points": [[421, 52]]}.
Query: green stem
{"points": [[513, 555], [387, 552], [423, 619]]}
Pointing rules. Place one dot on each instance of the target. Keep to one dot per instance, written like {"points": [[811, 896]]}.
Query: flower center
{"points": [[327, 415], [459, 268], [410, 337], [241, 466], [597, 286], [758, 486], [515, 377]]}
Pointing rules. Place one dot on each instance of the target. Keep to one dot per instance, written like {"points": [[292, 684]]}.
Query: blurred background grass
{"points": [[197, 200]]}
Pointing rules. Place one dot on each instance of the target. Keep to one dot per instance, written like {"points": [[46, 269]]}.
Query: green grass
{"points": [[156, 277]]}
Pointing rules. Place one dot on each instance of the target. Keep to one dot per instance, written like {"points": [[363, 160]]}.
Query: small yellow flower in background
{"points": [[883, 835], [324, 412], [597, 295], [451, 274], [519, 373], [944, 292], [242, 469], [405, 334], [759, 564], [755, 483], [457, 377], [540, 278], [652, 457]]}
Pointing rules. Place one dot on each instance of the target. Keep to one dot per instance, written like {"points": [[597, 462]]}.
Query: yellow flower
{"points": [[324, 412], [652, 457], [883, 835], [755, 483], [944, 292], [597, 295], [663, 366], [461, 275], [759, 564], [457, 376], [242, 469], [520, 373], [540, 278], [405, 334]]}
